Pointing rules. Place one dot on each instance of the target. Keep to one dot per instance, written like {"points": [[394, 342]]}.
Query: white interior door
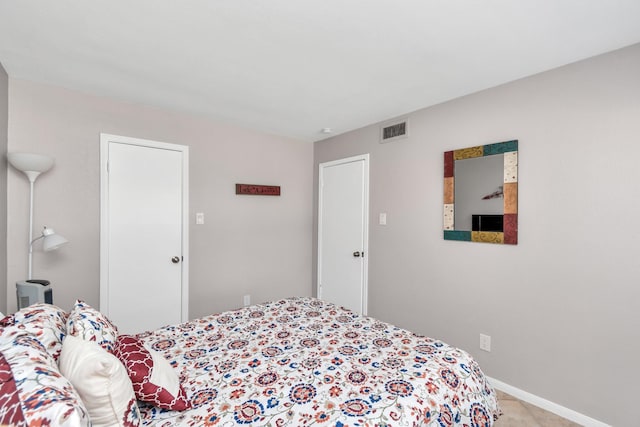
{"points": [[343, 211], [144, 278]]}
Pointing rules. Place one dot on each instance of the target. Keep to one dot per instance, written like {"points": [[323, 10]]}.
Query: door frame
{"points": [[105, 140], [365, 225]]}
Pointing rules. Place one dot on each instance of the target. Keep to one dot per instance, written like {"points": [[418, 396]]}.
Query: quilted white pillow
{"points": [[101, 381]]}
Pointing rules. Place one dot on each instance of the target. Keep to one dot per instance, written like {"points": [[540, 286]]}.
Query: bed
{"points": [[292, 362]]}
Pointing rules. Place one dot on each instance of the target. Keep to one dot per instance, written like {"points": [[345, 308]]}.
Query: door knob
{"points": [[175, 259], [356, 254]]}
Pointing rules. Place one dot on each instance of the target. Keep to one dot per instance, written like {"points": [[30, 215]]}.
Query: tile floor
{"points": [[517, 413]]}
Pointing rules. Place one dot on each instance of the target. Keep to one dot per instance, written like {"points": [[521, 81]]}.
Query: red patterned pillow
{"points": [[154, 379], [10, 406]]}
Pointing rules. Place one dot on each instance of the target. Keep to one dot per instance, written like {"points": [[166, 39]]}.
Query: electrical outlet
{"points": [[485, 342], [200, 218], [246, 300]]}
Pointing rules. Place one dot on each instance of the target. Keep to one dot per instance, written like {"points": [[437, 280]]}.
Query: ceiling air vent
{"points": [[392, 131]]}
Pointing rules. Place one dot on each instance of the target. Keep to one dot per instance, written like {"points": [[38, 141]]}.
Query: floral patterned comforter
{"points": [[303, 361]]}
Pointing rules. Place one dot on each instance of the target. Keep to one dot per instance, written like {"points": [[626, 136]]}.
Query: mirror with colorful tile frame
{"points": [[509, 193]]}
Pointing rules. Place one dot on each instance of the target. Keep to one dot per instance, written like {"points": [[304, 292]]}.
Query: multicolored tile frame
{"points": [[509, 235]]}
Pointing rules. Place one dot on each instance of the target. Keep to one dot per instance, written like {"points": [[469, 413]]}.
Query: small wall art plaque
{"points": [[258, 190]]}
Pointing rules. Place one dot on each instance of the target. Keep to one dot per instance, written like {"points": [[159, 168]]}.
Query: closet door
{"points": [[144, 280], [343, 211]]}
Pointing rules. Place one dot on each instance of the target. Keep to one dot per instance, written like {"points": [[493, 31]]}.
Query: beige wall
{"points": [[562, 307], [4, 117], [248, 245]]}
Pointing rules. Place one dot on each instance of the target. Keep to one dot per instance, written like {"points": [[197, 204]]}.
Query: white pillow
{"points": [[101, 381], [163, 373]]}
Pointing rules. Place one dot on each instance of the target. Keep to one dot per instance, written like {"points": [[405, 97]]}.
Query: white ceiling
{"points": [[293, 67]]}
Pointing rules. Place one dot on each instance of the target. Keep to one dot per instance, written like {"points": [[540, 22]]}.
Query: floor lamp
{"points": [[33, 165]]}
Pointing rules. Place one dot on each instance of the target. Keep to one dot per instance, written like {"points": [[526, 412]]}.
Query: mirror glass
{"points": [[481, 193]]}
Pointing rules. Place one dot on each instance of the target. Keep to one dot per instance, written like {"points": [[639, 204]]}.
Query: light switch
{"points": [[382, 219], [200, 218]]}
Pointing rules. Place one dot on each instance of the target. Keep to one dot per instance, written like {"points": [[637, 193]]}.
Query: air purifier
{"points": [[32, 291]]}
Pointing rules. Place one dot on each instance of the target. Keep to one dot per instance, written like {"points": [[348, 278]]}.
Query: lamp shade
{"points": [[51, 240], [31, 164]]}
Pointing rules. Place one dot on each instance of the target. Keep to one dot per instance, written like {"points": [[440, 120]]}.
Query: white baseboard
{"points": [[547, 405]]}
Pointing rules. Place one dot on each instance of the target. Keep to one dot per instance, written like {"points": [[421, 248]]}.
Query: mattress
{"points": [[303, 361]]}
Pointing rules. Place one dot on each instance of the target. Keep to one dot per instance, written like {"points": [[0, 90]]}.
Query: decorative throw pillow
{"points": [[46, 397], [89, 324], [10, 405], [47, 322], [154, 379], [101, 381], [8, 320]]}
